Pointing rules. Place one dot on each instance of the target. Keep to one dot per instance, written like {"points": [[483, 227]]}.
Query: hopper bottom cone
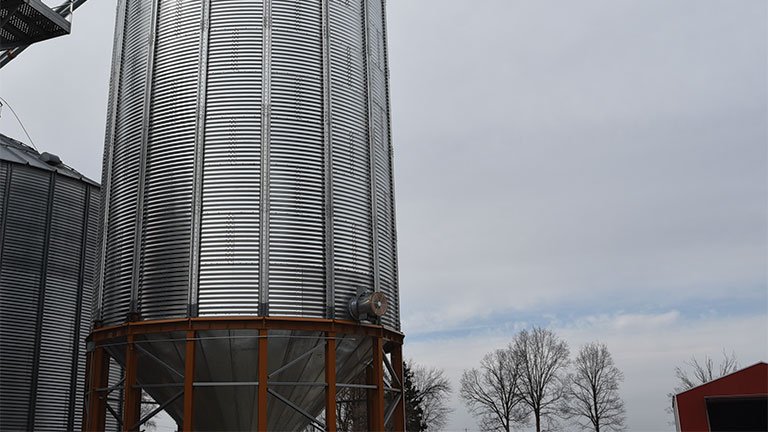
{"points": [[226, 369]]}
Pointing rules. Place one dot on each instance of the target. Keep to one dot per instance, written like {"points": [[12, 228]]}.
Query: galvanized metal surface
{"points": [[266, 186], [352, 218], [122, 177], [48, 219], [109, 143], [230, 238], [382, 159], [168, 180]]}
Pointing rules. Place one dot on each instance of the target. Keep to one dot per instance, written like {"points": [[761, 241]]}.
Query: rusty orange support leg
{"points": [[262, 371], [84, 420], [132, 396], [330, 379], [97, 378], [189, 378], [377, 414], [398, 416], [370, 395]]}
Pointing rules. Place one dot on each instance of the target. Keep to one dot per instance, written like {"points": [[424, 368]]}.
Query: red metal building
{"points": [[735, 402]]}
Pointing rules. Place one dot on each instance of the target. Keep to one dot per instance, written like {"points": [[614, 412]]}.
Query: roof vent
{"points": [[50, 159]]}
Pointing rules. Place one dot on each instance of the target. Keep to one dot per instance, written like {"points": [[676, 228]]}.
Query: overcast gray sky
{"points": [[597, 167]]}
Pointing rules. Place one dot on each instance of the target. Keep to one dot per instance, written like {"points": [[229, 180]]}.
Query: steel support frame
{"points": [[95, 413], [131, 394], [398, 415], [98, 368]]}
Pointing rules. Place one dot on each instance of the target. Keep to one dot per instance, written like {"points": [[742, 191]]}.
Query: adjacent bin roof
{"points": [[20, 153]]}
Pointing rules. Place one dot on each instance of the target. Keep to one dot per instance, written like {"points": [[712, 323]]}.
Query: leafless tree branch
{"points": [[594, 401], [435, 389], [697, 373], [542, 357], [492, 392]]}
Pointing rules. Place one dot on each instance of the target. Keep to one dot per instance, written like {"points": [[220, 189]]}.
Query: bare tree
{"points": [[697, 373], [351, 409], [704, 372], [492, 392], [435, 389], [542, 358], [594, 400], [148, 405]]}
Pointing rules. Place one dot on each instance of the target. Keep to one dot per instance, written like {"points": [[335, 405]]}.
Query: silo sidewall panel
{"points": [[126, 158], [352, 221], [255, 226], [170, 155], [60, 307], [296, 163], [230, 247], [90, 287], [382, 161], [21, 266]]}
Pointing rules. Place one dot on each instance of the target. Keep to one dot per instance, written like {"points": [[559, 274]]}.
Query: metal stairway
{"points": [[24, 22]]}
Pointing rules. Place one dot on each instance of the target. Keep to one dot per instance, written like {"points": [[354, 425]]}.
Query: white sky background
{"points": [[598, 167]]}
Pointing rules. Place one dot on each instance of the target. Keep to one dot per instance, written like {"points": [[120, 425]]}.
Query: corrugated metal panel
{"points": [[95, 304], [167, 206], [229, 250], [42, 224], [296, 227], [4, 182], [238, 111], [351, 179], [382, 160], [20, 279], [28, 239], [62, 287], [109, 138], [392, 319], [90, 285], [126, 157]]}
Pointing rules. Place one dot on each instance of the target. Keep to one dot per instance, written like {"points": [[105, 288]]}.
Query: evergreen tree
{"points": [[414, 413]]}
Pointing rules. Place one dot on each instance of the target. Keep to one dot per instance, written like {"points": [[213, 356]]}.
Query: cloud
{"points": [[629, 322], [598, 154]]}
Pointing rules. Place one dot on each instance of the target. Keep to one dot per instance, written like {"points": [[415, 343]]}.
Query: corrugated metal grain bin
{"points": [[247, 172], [49, 215], [248, 168]]}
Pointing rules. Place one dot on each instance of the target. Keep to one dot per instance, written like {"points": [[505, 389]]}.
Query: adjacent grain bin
{"points": [[49, 217], [249, 255]]}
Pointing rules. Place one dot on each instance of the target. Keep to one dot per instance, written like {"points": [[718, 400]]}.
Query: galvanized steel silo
{"points": [[49, 216], [248, 168], [248, 163]]}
